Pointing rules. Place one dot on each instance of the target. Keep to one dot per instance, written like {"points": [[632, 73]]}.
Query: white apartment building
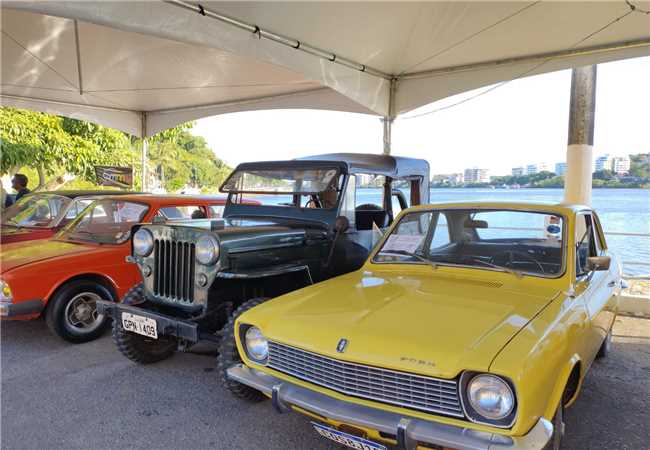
{"points": [[621, 165], [518, 171], [603, 162], [532, 169], [560, 168], [476, 175]]}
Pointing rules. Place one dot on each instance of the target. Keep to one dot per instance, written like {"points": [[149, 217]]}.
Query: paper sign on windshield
{"points": [[405, 243]]}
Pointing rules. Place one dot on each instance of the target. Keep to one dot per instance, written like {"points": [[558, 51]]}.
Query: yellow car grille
{"points": [[388, 386]]}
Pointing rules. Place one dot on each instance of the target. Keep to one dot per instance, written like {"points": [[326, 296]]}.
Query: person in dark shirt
{"points": [[19, 184]]}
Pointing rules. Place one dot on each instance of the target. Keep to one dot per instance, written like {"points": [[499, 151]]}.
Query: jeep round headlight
{"points": [[257, 346], [142, 242], [490, 396], [207, 250]]}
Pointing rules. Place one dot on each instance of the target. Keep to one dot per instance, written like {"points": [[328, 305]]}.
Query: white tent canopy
{"points": [[143, 67]]}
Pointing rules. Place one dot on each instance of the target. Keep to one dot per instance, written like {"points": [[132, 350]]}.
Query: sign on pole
{"points": [[121, 177]]}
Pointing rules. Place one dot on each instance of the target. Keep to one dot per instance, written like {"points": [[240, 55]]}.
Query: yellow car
{"points": [[470, 326]]}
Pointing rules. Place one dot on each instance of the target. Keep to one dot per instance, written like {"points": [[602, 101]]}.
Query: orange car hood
{"points": [[22, 253]]}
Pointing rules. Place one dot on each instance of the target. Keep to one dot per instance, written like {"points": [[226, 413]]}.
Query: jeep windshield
{"points": [[36, 211], [105, 221], [292, 187], [513, 241]]}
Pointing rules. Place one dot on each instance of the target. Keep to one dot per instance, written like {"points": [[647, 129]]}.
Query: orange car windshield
{"points": [[36, 211], [105, 221]]}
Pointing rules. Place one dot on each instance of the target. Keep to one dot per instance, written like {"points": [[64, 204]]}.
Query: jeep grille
{"points": [[174, 270], [408, 390]]}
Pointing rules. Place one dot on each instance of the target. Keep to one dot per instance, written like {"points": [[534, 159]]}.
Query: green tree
{"points": [[53, 145]]}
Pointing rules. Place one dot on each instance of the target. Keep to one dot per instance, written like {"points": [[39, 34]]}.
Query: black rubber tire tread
{"points": [[56, 309], [555, 443], [229, 356], [605, 347], [135, 347]]}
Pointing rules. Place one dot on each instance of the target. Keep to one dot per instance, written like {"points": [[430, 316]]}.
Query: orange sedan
{"points": [[61, 278]]}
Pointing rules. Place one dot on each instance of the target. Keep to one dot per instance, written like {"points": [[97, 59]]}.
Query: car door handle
{"points": [[611, 283]]}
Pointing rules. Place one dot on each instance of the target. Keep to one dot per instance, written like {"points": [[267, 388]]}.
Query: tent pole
{"points": [[388, 119], [579, 157], [388, 134], [145, 146]]}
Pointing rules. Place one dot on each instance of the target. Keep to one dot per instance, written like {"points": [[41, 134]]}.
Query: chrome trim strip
{"points": [[416, 430]]}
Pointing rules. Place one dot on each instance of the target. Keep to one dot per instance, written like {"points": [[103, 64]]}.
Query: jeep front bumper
{"points": [[166, 325], [408, 431]]}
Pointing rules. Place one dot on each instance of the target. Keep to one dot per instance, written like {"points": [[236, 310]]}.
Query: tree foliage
{"points": [[187, 160], [55, 145], [52, 146]]}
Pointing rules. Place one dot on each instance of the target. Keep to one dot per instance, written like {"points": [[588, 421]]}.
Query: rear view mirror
{"points": [[598, 263], [471, 223]]}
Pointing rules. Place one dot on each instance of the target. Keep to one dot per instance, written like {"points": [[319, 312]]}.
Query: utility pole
{"points": [[579, 157]]}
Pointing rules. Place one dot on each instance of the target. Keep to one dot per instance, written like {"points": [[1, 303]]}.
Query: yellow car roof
{"points": [[558, 208]]}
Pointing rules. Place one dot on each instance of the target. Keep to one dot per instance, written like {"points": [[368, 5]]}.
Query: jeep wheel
{"points": [[137, 348], [72, 311], [229, 356]]}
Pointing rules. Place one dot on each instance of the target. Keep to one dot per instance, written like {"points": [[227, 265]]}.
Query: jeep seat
{"points": [[366, 215]]}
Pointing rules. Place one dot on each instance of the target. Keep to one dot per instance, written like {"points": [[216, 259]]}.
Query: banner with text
{"points": [[114, 176]]}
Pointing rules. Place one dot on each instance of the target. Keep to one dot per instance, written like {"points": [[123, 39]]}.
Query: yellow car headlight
{"points": [[257, 346], [488, 399]]}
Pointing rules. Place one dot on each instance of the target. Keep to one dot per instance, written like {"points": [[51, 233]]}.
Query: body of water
{"points": [[619, 210]]}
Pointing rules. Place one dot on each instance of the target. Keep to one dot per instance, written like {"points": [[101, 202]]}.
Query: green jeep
{"points": [[286, 225]]}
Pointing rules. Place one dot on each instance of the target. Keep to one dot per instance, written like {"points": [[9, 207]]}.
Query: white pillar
{"points": [[578, 177]]}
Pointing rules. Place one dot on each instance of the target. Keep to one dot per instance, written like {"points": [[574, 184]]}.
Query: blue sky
{"points": [[522, 122]]}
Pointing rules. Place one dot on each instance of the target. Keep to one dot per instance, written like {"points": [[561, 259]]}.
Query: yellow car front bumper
{"points": [[408, 431]]}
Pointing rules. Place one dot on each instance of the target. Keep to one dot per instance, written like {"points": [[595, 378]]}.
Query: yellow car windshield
{"points": [[522, 242]]}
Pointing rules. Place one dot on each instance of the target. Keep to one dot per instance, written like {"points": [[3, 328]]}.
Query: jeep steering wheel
{"points": [[511, 253]]}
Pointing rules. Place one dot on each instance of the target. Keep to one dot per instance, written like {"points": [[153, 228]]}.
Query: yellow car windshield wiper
{"points": [[417, 256], [517, 273]]}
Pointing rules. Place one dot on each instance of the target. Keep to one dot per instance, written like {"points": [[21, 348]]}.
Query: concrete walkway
{"points": [[61, 396]]}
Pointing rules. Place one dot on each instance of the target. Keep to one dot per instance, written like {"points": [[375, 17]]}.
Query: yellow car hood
{"points": [[426, 322]]}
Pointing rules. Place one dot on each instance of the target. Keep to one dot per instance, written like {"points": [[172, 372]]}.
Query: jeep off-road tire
{"points": [[72, 313], [229, 356], [137, 348]]}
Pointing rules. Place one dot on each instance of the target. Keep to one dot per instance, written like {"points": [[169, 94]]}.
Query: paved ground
{"points": [[61, 396]]}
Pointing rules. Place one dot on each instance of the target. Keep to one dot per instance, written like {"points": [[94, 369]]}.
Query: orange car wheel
{"points": [[72, 312]]}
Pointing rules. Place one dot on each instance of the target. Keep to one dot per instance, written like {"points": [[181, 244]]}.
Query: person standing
{"points": [[19, 184]]}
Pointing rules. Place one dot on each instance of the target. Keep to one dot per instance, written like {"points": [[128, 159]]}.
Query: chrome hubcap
{"points": [[81, 313]]}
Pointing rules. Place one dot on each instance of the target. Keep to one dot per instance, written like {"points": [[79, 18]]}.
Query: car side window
{"points": [[586, 245], [181, 212], [217, 210], [600, 234]]}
